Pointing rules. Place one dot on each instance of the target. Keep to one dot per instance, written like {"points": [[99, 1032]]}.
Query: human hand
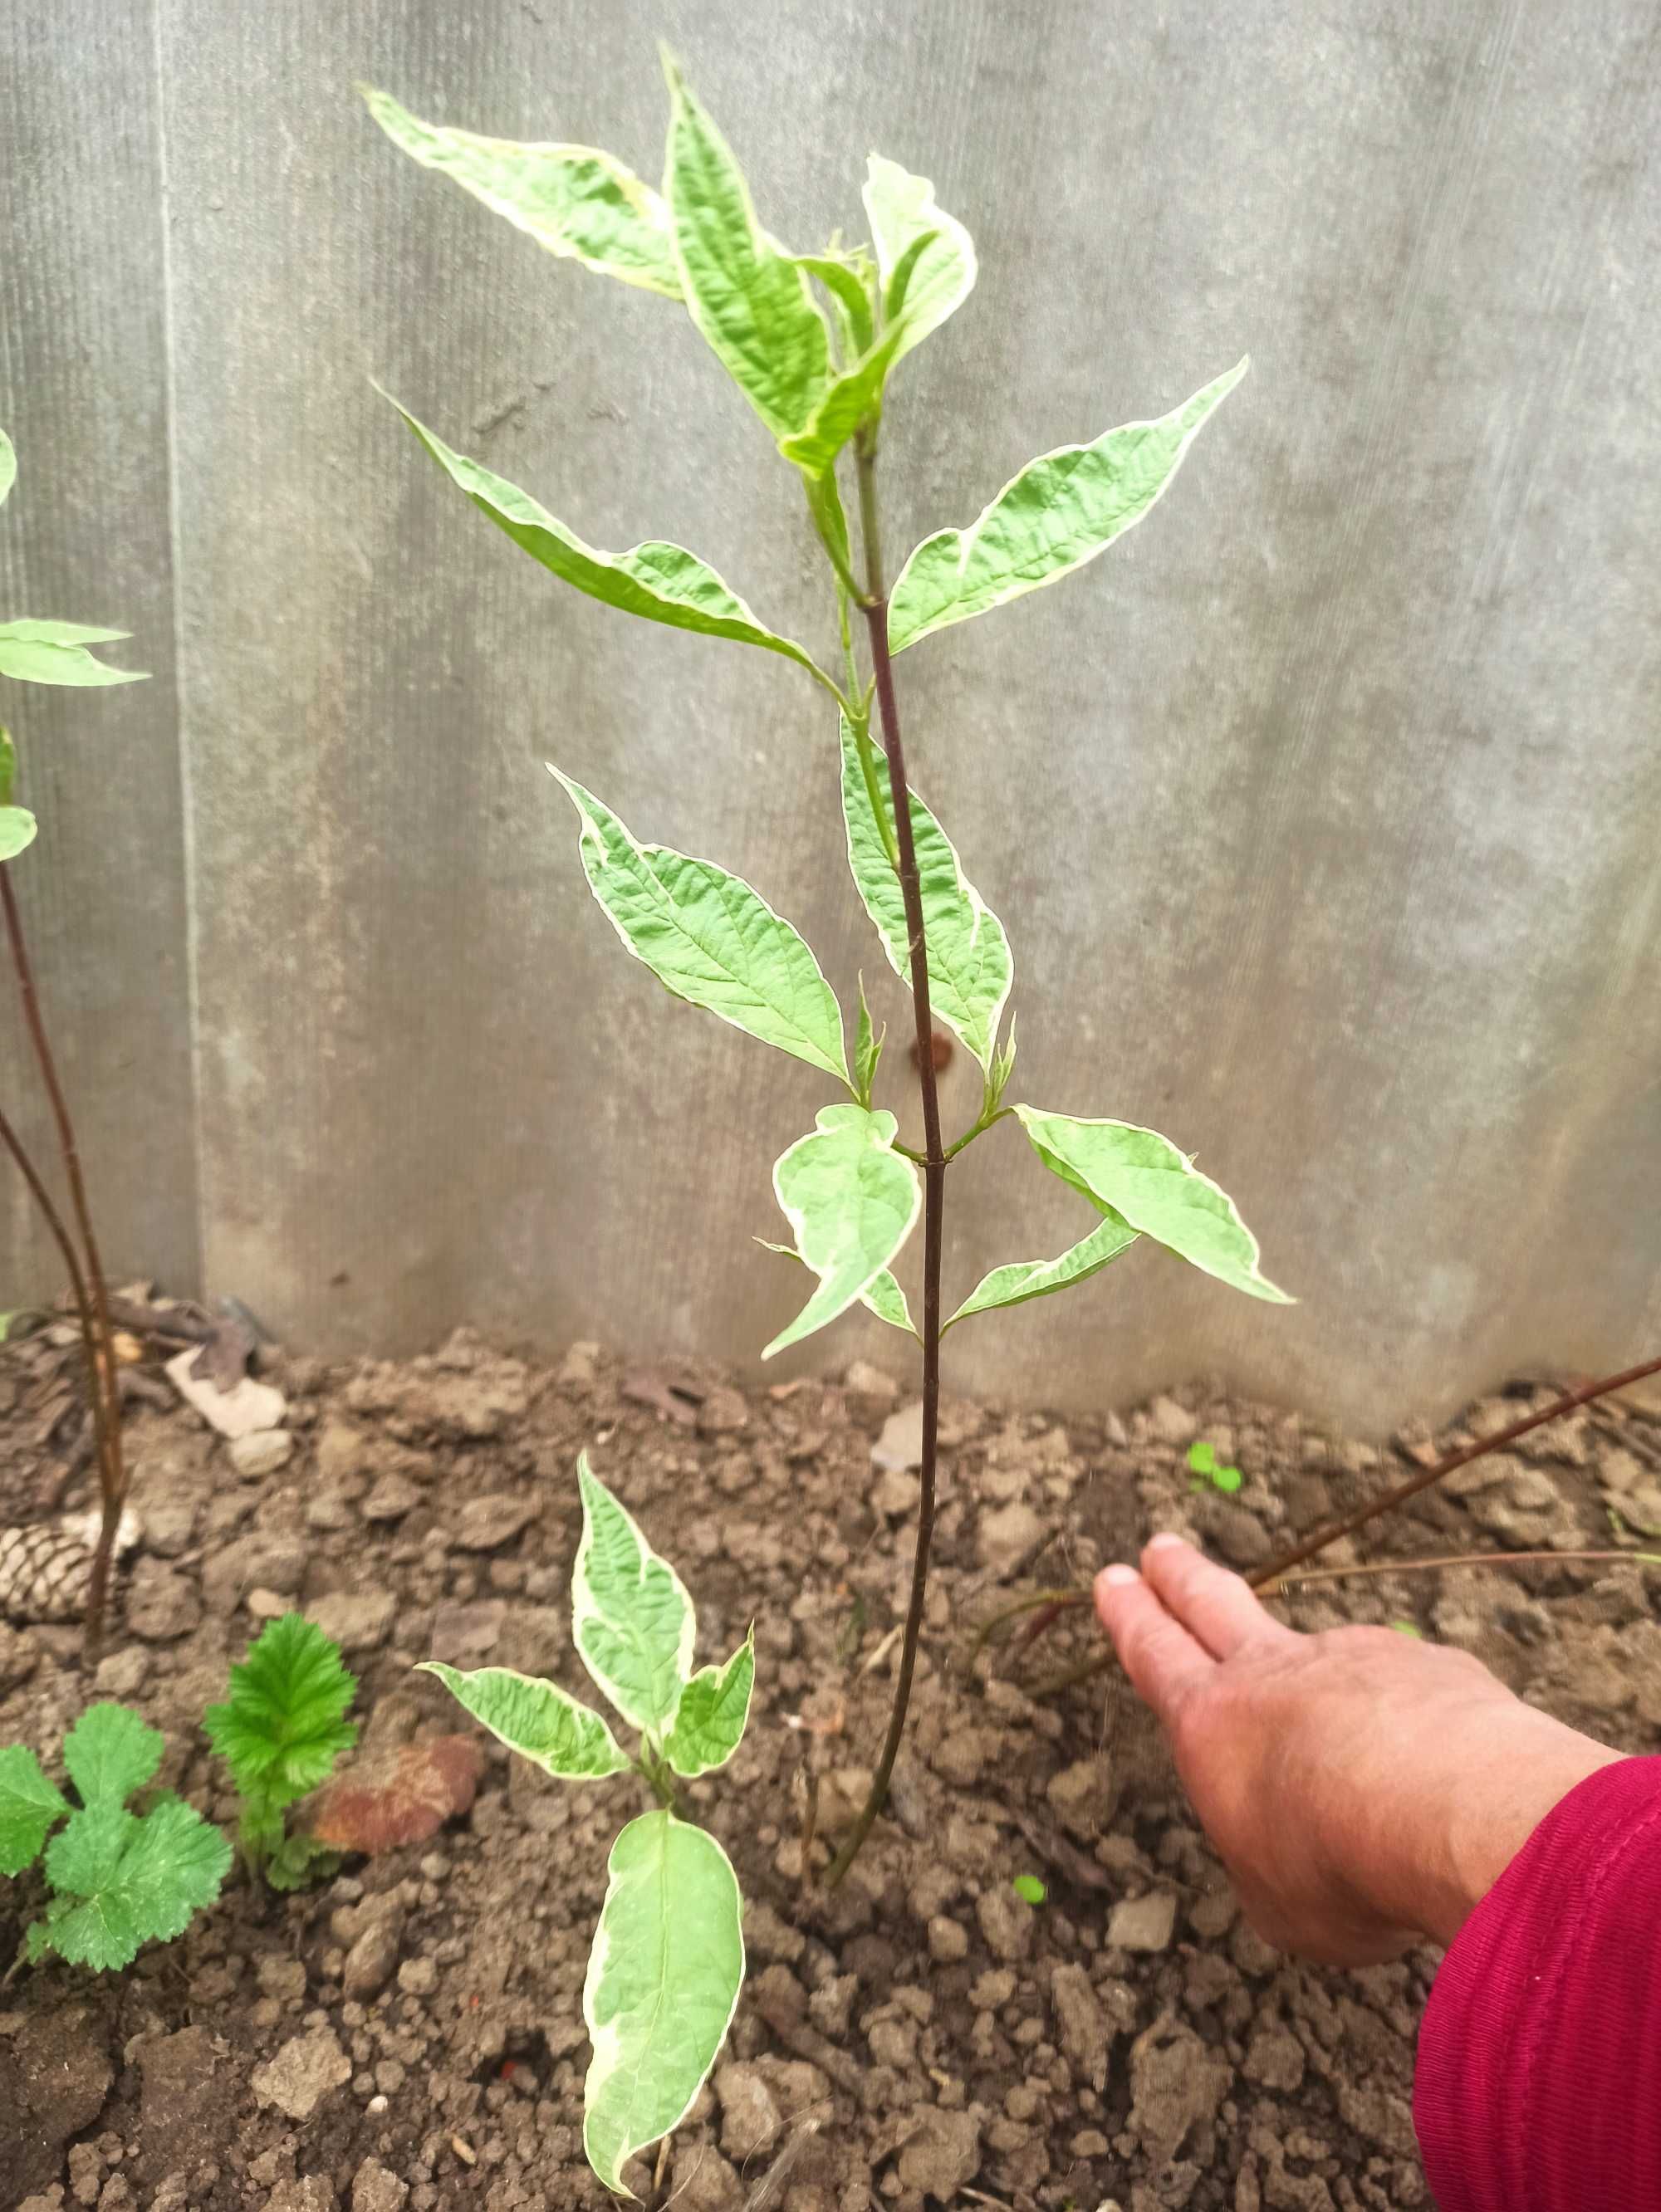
{"points": [[1363, 1789]]}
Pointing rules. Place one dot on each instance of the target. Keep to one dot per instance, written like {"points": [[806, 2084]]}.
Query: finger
{"points": [[1216, 1606], [1164, 1662]]}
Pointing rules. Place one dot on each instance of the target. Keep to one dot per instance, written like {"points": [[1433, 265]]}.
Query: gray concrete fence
{"points": [[1324, 813]]}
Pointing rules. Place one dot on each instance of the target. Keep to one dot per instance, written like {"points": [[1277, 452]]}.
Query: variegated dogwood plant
{"points": [[812, 341], [667, 1963]]}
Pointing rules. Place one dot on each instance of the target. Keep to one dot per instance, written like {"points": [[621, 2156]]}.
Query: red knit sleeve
{"points": [[1538, 2086]]}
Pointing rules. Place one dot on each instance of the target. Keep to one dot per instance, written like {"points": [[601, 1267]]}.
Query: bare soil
{"points": [[410, 2035]]}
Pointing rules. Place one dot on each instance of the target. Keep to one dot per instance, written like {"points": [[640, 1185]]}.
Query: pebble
{"points": [[1006, 1922], [358, 1622], [418, 1977], [943, 2156], [900, 1444], [302, 2074], [265, 1604], [392, 1497], [238, 1412], [376, 2190], [1143, 1923], [495, 1518], [750, 2118], [124, 1673], [1007, 1535], [161, 1604], [863, 1380], [1171, 1423], [1082, 1797], [261, 1452], [947, 1939]]}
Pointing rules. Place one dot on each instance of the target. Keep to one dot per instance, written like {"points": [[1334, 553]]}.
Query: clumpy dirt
{"points": [[410, 2035]]}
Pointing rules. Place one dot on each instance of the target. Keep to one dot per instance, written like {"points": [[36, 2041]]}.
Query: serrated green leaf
{"points": [[867, 1050], [1142, 1175], [537, 1719], [119, 1881], [282, 1727], [110, 1752], [1021, 1280], [298, 1861], [658, 581], [714, 1708], [577, 202], [29, 1805], [970, 967], [17, 831], [8, 467], [1061, 511], [56, 652], [919, 244], [631, 1619], [882, 1296], [752, 302], [851, 1201], [662, 1986], [708, 937]]}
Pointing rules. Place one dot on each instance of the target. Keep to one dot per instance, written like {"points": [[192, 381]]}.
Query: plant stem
{"points": [[1464, 1559], [1332, 1531], [933, 1162], [54, 1221], [101, 1352]]}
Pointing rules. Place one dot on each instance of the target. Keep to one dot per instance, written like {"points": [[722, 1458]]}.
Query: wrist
{"points": [[1492, 1805]]}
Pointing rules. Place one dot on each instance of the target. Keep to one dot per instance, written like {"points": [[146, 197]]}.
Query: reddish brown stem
{"points": [[875, 607], [112, 1480], [54, 1221], [1470, 1559], [1266, 1578]]}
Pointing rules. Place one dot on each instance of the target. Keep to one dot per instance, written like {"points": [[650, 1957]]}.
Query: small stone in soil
{"points": [[900, 1444], [370, 1962], [943, 2156], [392, 1497], [750, 2118], [375, 2190], [124, 1673], [234, 1413], [302, 2074], [1171, 1423], [1143, 1923], [261, 1452], [1008, 1534], [495, 1518], [357, 1621], [162, 1605]]}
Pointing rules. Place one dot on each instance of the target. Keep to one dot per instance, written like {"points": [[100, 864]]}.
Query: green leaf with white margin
{"points": [[854, 396], [708, 937], [903, 211], [852, 305], [17, 829], [753, 303], [56, 652], [577, 202], [970, 967], [867, 1050], [29, 1805], [8, 466], [119, 1881], [662, 1986], [1012, 1285], [537, 1719], [110, 1752], [1140, 1174], [632, 1620], [714, 1708], [851, 1201], [1061, 511], [658, 581], [882, 1296]]}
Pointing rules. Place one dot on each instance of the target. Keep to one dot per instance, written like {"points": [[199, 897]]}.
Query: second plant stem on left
{"points": [[88, 1283]]}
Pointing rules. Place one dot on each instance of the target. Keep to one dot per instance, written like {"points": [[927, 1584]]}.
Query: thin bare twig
{"points": [[1463, 1560]]}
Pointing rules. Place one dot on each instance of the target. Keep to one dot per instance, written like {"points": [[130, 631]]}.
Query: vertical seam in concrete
{"points": [[186, 788]]}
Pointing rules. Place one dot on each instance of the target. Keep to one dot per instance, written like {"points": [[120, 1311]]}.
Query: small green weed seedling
{"points": [[1203, 1461], [1029, 1889], [280, 1732], [668, 1960], [812, 341], [118, 1879]]}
